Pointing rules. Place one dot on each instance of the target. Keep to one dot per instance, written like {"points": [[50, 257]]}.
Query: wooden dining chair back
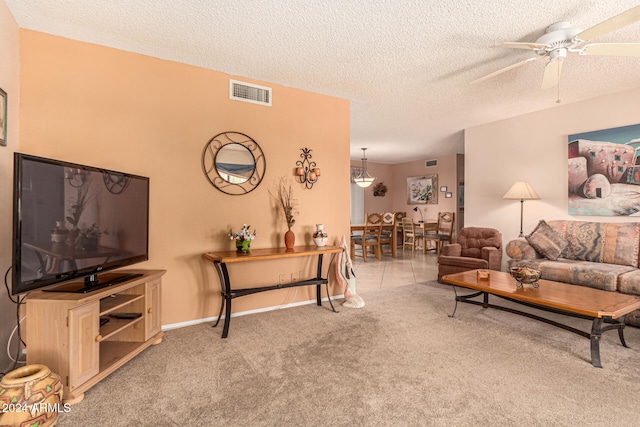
{"points": [[410, 237], [444, 231], [370, 237], [388, 220], [398, 226]]}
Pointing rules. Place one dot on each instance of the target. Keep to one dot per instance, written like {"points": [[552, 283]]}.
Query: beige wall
{"points": [[446, 171], [124, 111], [395, 178], [533, 148], [10, 83]]}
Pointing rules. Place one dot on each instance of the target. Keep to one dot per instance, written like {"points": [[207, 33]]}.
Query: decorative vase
{"points": [[320, 237], [73, 236], [33, 396], [289, 239], [60, 233], [243, 246]]}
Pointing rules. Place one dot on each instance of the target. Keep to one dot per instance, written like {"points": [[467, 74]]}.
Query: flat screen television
{"points": [[72, 223]]}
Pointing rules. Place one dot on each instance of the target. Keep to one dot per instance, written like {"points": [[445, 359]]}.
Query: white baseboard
{"points": [[244, 313]]}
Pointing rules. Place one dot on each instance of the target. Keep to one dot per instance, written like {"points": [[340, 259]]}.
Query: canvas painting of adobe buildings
{"points": [[604, 172]]}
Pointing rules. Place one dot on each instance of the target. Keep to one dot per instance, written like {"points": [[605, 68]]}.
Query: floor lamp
{"points": [[522, 191]]}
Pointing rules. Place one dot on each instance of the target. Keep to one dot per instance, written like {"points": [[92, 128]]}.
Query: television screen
{"points": [[73, 221]]}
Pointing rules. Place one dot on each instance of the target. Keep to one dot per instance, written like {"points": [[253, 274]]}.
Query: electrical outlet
{"points": [[24, 351], [301, 275], [294, 277], [282, 279]]}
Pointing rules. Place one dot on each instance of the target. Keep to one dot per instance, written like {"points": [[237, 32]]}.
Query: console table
{"points": [[221, 259]]}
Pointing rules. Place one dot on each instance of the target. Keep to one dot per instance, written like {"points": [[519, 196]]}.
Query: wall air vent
{"points": [[430, 163], [249, 92]]}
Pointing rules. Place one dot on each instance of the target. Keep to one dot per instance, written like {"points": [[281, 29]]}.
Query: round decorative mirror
{"points": [[233, 163]]}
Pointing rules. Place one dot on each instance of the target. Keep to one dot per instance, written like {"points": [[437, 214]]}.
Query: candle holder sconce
{"points": [[75, 177], [307, 172]]}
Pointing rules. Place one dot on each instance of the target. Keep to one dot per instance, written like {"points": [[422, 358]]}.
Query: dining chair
{"points": [[370, 237], [444, 231], [388, 218], [398, 226], [409, 235]]}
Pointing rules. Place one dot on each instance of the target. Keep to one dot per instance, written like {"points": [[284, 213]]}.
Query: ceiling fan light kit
{"points": [[561, 38]]}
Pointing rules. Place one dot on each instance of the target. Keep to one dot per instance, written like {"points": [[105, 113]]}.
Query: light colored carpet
{"points": [[400, 361]]}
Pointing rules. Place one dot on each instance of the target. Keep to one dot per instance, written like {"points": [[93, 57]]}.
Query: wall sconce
{"points": [[75, 177], [307, 171]]}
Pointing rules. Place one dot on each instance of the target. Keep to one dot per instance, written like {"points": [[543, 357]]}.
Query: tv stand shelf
{"points": [[64, 332]]}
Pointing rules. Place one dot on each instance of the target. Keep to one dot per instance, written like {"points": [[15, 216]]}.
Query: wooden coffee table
{"points": [[570, 300]]}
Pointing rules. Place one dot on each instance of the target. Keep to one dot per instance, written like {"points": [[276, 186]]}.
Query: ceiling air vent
{"points": [[430, 163], [248, 92]]}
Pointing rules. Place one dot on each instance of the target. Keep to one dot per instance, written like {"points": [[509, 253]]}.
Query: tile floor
{"points": [[408, 267]]}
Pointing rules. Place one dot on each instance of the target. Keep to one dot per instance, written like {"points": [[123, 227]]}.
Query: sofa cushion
{"points": [[613, 243], [629, 283], [521, 249], [585, 241], [547, 241], [594, 275]]}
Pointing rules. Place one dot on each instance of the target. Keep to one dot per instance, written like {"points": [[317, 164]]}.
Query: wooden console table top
{"points": [[270, 253]]}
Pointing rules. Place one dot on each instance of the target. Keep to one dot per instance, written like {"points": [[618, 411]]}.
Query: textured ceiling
{"points": [[405, 65]]}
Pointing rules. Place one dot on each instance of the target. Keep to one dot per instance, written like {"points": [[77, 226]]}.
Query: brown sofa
{"points": [[599, 255], [476, 247]]}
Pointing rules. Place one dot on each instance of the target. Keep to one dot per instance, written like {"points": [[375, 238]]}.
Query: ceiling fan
{"points": [[561, 38]]}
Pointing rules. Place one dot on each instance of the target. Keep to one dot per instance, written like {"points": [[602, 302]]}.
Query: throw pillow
{"points": [[546, 241]]}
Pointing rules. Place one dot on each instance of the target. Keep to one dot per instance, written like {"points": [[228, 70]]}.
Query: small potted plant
{"points": [[243, 238], [89, 237]]}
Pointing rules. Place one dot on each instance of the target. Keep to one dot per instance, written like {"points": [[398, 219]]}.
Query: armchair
{"points": [[476, 247]]}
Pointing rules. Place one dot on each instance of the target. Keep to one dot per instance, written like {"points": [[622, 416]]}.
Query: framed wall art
{"points": [[422, 190], [3, 117], [604, 175]]}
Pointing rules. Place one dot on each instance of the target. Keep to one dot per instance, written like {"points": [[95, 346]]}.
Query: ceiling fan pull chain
{"points": [[558, 100]]}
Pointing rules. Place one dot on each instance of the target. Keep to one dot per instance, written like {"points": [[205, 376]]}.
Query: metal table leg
{"points": [[225, 284]]}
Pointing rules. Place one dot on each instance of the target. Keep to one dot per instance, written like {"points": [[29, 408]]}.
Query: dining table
{"points": [[395, 228]]}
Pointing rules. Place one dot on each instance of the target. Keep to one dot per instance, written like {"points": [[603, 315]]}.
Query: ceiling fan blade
{"points": [[612, 49], [521, 45], [552, 72], [502, 70], [625, 18]]}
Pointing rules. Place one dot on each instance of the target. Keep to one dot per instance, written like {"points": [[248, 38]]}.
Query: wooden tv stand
{"points": [[64, 333]]}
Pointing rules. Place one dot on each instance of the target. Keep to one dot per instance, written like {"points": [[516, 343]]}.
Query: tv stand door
{"points": [[153, 317], [84, 323]]}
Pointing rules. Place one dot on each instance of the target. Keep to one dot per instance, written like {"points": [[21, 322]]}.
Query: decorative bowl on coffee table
{"points": [[526, 275]]}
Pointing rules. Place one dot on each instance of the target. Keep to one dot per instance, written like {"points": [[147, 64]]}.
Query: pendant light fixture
{"points": [[363, 179]]}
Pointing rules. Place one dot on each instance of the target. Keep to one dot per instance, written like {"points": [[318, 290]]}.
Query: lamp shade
{"points": [[364, 181], [521, 190]]}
